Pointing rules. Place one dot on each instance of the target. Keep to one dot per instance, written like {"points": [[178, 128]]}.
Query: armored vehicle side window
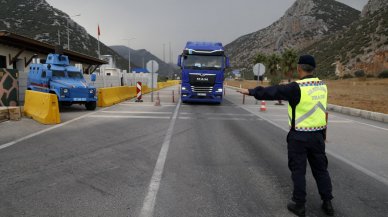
{"points": [[75, 75], [43, 74], [59, 74]]}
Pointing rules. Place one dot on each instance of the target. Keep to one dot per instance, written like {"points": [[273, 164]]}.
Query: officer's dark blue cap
{"points": [[307, 60]]}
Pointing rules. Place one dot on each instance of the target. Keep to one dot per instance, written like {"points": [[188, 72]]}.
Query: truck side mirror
{"points": [[227, 62], [93, 77], [179, 62]]}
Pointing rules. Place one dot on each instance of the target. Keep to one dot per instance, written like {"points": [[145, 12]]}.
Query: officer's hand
{"points": [[243, 91]]}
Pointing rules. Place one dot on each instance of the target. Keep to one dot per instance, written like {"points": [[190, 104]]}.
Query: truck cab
{"points": [[203, 66], [58, 77]]}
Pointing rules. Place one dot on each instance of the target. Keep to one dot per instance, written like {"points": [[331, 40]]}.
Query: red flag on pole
{"points": [[99, 33]]}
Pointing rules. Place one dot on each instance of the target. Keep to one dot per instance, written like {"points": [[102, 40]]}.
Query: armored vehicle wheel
{"points": [[91, 105]]}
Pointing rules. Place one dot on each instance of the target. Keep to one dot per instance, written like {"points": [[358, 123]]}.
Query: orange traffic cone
{"points": [[263, 106]]}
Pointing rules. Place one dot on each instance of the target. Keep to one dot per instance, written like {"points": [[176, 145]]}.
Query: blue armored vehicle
{"points": [[203, 65], [58, 77]]}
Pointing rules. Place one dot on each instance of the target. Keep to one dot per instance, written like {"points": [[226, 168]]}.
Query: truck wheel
{"points": [[90, 106]]}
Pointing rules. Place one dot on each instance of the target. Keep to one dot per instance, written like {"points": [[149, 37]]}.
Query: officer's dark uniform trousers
{"points": [[303, 146]]}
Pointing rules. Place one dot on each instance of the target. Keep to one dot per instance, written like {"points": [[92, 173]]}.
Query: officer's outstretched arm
{"points": [[277, 92]]}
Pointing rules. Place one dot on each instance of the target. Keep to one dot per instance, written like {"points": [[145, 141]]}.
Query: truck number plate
{"points": [[79, 99], [201, 94]]}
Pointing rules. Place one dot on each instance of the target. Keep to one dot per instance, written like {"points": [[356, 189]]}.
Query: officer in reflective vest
{"points": [[307, 99]]}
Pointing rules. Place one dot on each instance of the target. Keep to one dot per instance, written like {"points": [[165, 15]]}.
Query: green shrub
{"points": [[347, 76], [359, 73], [383, 74]]}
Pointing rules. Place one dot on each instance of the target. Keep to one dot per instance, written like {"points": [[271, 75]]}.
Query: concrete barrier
{"points": [[145, 89], [113, 95], [42, 107], [376, 116], [170, 83]]}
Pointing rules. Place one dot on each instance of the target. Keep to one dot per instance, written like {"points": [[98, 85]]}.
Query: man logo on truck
{"points": [[202, 79]]}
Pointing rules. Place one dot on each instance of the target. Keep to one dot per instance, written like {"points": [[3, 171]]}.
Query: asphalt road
{"points": [[176, 160]]}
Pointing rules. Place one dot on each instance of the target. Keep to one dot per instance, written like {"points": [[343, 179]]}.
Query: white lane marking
{"points": [[129, 116], [285, 116], [215, 106], [145, 105], [359, 122], [149, 200], [338, 157], [268, 107], [339, 122], [186, 118], [358, 167], [215, 114], [219, 119], [280, 119], [48, 129], [135, 112]]}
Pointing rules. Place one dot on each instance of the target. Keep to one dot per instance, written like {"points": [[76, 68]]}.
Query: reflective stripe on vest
{"points": [[310, 113]]}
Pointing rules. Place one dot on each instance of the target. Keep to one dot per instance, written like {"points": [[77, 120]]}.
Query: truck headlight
{"points": [[91, 91], [220, 90], [65, 91], [183, 88]]}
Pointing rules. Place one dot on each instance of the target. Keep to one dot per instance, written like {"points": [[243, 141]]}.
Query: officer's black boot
{"points": [[327, 207], [298, 209]]}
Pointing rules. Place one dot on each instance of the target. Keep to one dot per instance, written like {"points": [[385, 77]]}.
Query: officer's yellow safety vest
{"points": [[310, 113]]}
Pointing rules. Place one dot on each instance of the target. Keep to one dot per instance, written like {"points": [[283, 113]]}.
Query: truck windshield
{"points": [[203, 62], [58, 74], [74, 75]]}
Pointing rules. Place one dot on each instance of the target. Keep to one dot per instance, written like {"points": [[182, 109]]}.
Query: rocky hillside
{"points": [[37, 19], [304, 23], [141, 57], [373, 6], [361, 46]]}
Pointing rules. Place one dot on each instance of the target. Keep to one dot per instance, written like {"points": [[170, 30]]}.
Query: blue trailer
{"points": [[203, 66], [58, 77]]}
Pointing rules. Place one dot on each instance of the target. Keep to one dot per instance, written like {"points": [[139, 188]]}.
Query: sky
{"points": [[156, 22]]}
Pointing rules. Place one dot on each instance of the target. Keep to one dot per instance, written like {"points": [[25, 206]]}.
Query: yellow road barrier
{"points": [[113, 95], [42, 107]]}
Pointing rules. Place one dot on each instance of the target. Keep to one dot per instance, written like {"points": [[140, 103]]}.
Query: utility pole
{"points": [[170, 53], [68, 30], [164, 52], [129, 53], [59, 38]]}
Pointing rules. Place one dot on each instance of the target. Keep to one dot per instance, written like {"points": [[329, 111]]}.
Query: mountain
{"points": [[373, 6], [38, 20], [141, 57], [303, 24], [361, 46]]}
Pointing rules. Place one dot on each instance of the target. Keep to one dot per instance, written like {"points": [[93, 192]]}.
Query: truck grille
{"points": [[202, 80], [196, 89]]}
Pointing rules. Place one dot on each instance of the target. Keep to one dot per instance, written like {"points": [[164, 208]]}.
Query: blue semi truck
{"points": [[203, 66], [58, 77]]}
